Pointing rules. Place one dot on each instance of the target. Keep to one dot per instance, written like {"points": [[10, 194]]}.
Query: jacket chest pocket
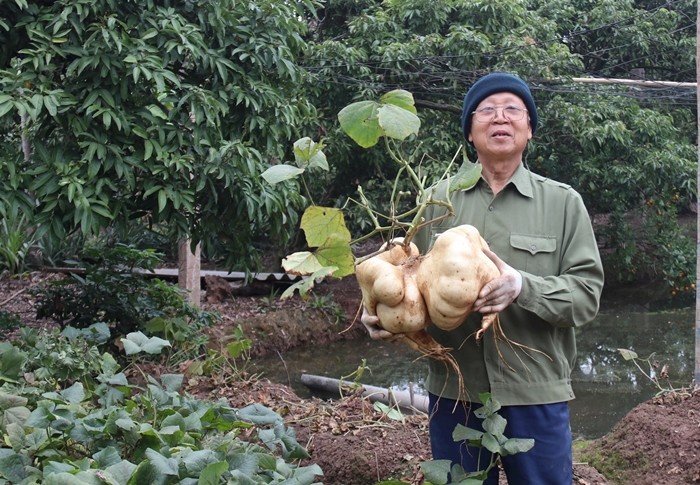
{"points": [[534, 254]]}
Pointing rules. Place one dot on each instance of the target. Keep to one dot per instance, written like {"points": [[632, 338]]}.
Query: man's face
{"points": [[500, 137]]}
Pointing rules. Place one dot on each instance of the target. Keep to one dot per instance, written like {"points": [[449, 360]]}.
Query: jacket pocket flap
{"points": [[533, 244]]}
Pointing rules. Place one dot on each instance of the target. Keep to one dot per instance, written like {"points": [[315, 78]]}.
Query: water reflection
{"points": [[606, 385]]}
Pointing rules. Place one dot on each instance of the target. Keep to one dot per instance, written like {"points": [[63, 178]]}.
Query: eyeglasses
{"points": [[488, 113]]}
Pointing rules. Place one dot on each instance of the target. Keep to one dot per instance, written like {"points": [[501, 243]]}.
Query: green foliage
{"points": [[639, 171], [439, 472], [17, 239], [620, 146], [118, 432], [433, 49], [9, 322], [56, 357], [113, 111], [326, 304], [116, 289]]}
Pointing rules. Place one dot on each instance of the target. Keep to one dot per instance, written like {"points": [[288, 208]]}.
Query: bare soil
{"points": [[658, 442]]}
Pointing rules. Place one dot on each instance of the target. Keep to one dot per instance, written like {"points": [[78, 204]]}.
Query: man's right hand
{"points": [[375, 331]]}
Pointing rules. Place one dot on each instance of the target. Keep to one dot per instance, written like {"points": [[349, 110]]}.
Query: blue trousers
{"points": [[549, 462]]}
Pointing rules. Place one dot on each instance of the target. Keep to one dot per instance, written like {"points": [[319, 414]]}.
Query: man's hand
{"points": [[371, 323], [496, 295]]}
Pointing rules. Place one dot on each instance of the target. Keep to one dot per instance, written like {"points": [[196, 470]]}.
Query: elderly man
{"points": [[551, 280]]}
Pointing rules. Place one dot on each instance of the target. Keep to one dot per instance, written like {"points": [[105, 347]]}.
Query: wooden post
{"points": [[189, 274]]}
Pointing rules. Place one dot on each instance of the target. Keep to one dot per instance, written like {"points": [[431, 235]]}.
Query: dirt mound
{"points": [[657, 443]]}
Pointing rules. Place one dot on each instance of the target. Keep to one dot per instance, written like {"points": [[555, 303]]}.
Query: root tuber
{"points": [[408, 291]]}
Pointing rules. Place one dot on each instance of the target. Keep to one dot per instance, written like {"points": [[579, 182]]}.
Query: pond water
{"points": [[606, 385]]}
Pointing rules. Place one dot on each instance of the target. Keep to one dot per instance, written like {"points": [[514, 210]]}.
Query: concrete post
{"points": [[189, 276]]}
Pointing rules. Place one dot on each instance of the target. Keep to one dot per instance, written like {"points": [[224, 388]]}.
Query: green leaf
{"points": [[359, 120], [162, 200], [236, 349], [258, 414], [55, 467], [175, 420], [65, 478], [628, 354], [516, 445], [337, 254], [326, 231], [11, 362], [466, 177], [366, 121], [75, 394], [307, 153], [126, 424], [107, 456], [305, 475], [279, 173], [146, 473], [157, 111], [198, 460], [12, 466], [15, 436], [110, 366], [495, 424], [8, 401], [490, 442], [172, 382], [136, 342], [463, 433], [436, 471], [400, 98], [391, 412], [121, 471], [397, 122], [15, 415], [212, 473], [165, 465], [39, 418]]}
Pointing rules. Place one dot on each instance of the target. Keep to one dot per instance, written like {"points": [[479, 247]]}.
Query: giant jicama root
{"points": [[407, 291], [451, 276], [389, 289]]}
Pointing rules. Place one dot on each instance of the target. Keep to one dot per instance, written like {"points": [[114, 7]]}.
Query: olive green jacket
{"points": [[541, 228]]}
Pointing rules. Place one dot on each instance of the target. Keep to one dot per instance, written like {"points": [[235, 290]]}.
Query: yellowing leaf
{"points": [[301, 263], [324, 226], [307, 283]]}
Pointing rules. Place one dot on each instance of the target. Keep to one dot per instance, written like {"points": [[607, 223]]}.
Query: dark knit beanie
{"points": [[496, 83]]}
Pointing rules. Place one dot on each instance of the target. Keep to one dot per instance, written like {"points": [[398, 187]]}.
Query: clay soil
{"points": [[657, 443]]}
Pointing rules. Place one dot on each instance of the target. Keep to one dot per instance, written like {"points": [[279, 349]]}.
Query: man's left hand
{"points": [[497, 294]]}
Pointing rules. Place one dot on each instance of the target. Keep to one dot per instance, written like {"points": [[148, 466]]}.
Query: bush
{"points": [[116, 288]]}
